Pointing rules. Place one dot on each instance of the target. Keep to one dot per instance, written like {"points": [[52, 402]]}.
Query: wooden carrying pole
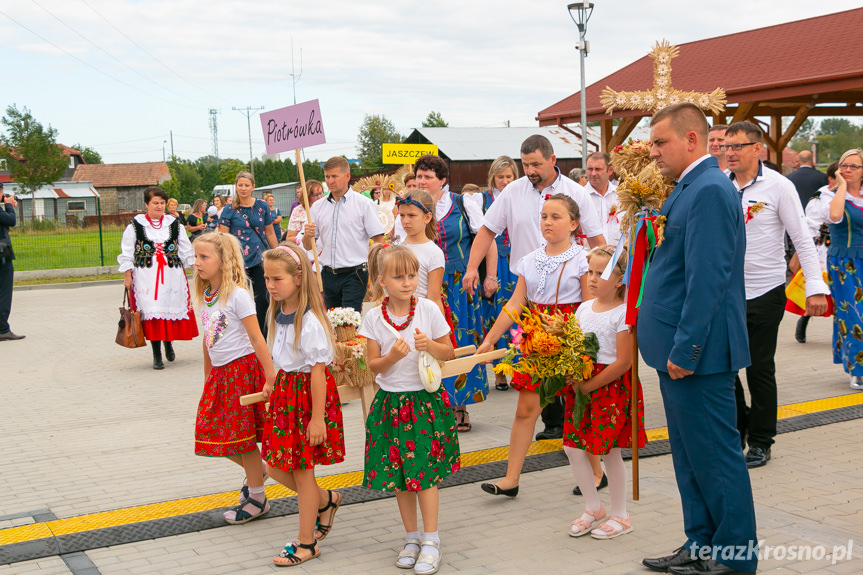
{"points": [[309, 217], [634, 413]]}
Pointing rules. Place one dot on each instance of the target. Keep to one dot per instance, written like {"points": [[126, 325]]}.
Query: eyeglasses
{"points": [[849, 167], [317, 195], [735, 147]]}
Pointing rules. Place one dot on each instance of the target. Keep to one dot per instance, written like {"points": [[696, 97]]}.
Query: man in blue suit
{"points": [[692, 330]]}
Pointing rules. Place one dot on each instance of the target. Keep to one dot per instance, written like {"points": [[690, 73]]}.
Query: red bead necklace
{"points": [[153, 224], [407, 322]]}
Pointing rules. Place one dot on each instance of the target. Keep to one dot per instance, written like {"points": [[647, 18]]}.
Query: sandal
{"points": [[614, 527], [243, 516], [582, 527], [288, 556], [462, 425], [324, 530], [426, 559], [244, 490], [409, 554], [501, 385]]}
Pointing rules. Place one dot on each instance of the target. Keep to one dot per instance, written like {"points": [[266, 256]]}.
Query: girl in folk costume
{"points": [[502, 171], [236, 362], [606, 425], [459, 218], [553, 278], [411, 440], [153, 253], [304, 425]]}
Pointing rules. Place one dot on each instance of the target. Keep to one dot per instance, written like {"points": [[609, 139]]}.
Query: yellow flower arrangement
{"points": [[549, 347]]}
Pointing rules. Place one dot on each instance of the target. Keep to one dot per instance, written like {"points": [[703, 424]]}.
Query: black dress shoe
{"points": [[157, 363], [495, 490], [800, 332], [679, 558], [9, 336], [169, 351], [550, 433], [706, 567], [757, 456], [602, 483]]}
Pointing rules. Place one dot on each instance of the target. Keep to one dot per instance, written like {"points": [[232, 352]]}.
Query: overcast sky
{"points": [[119, 75]]}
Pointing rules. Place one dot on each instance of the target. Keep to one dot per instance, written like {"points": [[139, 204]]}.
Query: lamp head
{"points": [[580, 12]]}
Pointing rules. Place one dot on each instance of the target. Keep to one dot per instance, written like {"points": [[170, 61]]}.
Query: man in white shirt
{"points": [[518, 210], [602, 195], [715, 139], [343, 223], [771, 208]]}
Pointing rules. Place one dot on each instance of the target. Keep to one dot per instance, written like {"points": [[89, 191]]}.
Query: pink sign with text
{"points": [[293, 127]]}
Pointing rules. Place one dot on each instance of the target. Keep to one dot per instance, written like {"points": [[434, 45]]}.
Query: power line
{"points": [[248, 112], [107, 75], [111, 55], [144, 50]]}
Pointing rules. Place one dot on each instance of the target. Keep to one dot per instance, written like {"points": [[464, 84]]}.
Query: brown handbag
{"points": [[130, 332]]}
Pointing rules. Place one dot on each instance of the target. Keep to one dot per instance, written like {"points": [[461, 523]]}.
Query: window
{"points": [[76, 206], [72, 162], [3, 167]]}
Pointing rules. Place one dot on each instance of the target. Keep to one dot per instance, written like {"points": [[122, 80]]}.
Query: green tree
{"points": [[185, 183], [374, 132], [312, 170], [835, 136], [26, 139], [435, 120], [805, 136], [208, 168], [228, 170], [90, 155]]}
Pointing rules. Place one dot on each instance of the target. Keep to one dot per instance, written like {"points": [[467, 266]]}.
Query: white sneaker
{"points": [[857, 382]]}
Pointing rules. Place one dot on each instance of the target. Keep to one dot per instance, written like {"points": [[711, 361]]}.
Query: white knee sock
{"points": [[411, 546], [583, 473], [615, 469], [429, 549]]}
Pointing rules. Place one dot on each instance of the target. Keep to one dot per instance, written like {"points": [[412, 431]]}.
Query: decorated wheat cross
{"points": [[662, 94]]}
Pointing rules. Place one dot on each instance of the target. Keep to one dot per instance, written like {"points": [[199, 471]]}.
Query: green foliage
{"points": [[435, 120], [228, 170], [374, 132], [832, 138], [313, 170], [90, 155], [185, 182], [44, 161]]}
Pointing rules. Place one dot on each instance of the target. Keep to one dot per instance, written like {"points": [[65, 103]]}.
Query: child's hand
{"points": [[268, 390], [316, 432], [421, 341], [400, 349], [484, 347]]}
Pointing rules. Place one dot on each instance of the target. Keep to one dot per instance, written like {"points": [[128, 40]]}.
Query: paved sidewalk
{"points": [[88, 426]]}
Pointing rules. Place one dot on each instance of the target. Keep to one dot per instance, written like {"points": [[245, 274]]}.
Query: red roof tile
{"points": [[120, 175], [777, 61]]}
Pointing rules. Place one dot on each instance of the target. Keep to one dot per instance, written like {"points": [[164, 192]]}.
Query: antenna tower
{"points": [[214, 129]]}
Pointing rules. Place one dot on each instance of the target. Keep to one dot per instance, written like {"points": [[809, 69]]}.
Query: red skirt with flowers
{"points": [[606, 423], [224, 427], [411, 441], [285, 445], [168, 329], [522, 381]]}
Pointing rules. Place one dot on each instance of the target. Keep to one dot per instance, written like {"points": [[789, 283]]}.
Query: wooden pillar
{"points": [[775, 135], [606, 133]]}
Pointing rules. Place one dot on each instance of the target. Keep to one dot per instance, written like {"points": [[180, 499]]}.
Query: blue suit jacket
{"points": [[693, 310]]}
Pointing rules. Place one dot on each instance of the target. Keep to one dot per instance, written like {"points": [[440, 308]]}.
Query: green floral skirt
{"points": [[411, 441]]}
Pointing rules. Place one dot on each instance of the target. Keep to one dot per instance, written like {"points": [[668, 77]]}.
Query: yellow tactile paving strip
{"points": [[142, 513]]}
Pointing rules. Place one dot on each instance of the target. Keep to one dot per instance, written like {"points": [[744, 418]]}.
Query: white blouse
{"points": [[570, 283], [224, 333], [314, 347], [431, 258], [606, 325], [126, 259]]}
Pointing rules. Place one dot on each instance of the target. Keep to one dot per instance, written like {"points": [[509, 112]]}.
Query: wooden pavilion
{"points": [[801, 69]]}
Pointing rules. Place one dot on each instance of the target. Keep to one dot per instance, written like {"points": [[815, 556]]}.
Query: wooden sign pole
{"points": [[309, 217], [634, 413]]}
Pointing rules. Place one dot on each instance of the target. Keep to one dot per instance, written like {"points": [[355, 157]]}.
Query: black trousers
{"points": [[758, 420], [262, 298], [552, 414], [345, 289], [6, 273]]}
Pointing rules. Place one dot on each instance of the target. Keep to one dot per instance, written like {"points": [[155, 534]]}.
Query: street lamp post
{"points": [[580, 13]]}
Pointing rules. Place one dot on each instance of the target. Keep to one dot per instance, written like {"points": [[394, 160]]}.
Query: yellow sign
{"points": [[406, 153]]}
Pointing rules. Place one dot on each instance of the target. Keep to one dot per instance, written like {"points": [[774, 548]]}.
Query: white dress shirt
{"points": [[314, 347], [601, 207], [764, 267], [519, 207], [344, 228], [472, 205]]}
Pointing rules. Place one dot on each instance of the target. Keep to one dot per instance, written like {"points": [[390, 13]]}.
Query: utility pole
{"points": [[294, 76], [214, 129], [248, 112], [172, 144]]}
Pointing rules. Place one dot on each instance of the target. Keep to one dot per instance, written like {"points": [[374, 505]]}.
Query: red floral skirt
{"points": [[168, 329], [606, 423], [522, 381], [223, 427], [285, 445], [448, 315]]}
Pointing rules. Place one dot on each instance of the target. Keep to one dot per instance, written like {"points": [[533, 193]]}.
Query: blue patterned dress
{"points": [[454, 239], [490, 309], [845, 266]]}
